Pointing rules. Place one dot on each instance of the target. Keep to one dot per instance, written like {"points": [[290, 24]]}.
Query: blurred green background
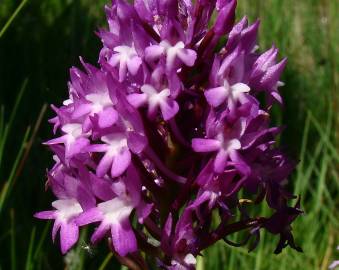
{"points": [[41, 40]]}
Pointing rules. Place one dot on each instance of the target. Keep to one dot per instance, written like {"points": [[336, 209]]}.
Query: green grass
{"points": [[40, 40]]}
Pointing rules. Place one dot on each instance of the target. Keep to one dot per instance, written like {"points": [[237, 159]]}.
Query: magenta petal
{"points": [[134, 64], [104, 165], [101, 188], [122, 71], [225, 18], [56, 227], [152, 110], [87, 125], [153, 52], [107, 117], [137, 100], [205, 145], [85, 197], [81, 110], [89, 216], [277, 97], [220, 161], [96, 148], [187, 56], [100, 232], [45, 215], [114, 60], [58, 140], [143, 211], [123, 237], [76, 147], [216, 96], [136, 142], [121, 162], [69, 234], [273, 74], [169, 109]]}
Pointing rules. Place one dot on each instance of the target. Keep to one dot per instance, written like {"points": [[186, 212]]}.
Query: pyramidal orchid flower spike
{"points": [[157, 142]]}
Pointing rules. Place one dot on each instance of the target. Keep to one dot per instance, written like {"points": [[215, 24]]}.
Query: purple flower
{"points": [[127, 59], [114, 217], [232, 93], [117, 156], [334, 264], [66, 211], [73, 199], [172, 53], [155, 99], [167, 132]]}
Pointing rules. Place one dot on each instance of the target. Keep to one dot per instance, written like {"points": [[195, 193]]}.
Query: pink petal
{"points": [[101, 188], [89, 216], [137, 100], [136, 142], [153, 52], [216, 96], [241, 88], [334, 264], [76, 147], [152, 110], [205, 145], [143, 211], [188, 56], [56, 227], [123, 237], [96, 148], [81, 110], [122, 71], [134, 64], [45, 215], [220, 161], [169, 109], [107, 117], [69, 235], [120, 163], [114, 60], [58, 140], [104, 165], [100, 232]]}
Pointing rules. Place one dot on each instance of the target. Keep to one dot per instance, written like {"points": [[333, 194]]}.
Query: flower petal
{"points": [[136, 142], [188, 56], [220, 161], [134, 64], [100, 232], [107, 117], [104, 165], [56, 227], [216, 96], [137, 100], [205, 145], [89, 216], [153, 52], [123, 237], [121, 162], [69, 234], [45, 215], [169, 109]]}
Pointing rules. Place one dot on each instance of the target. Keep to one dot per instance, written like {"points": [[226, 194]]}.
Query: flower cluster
{"points": [[165, 147]]}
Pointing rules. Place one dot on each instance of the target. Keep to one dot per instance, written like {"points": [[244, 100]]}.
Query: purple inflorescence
{"points": [[165, 147]]}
